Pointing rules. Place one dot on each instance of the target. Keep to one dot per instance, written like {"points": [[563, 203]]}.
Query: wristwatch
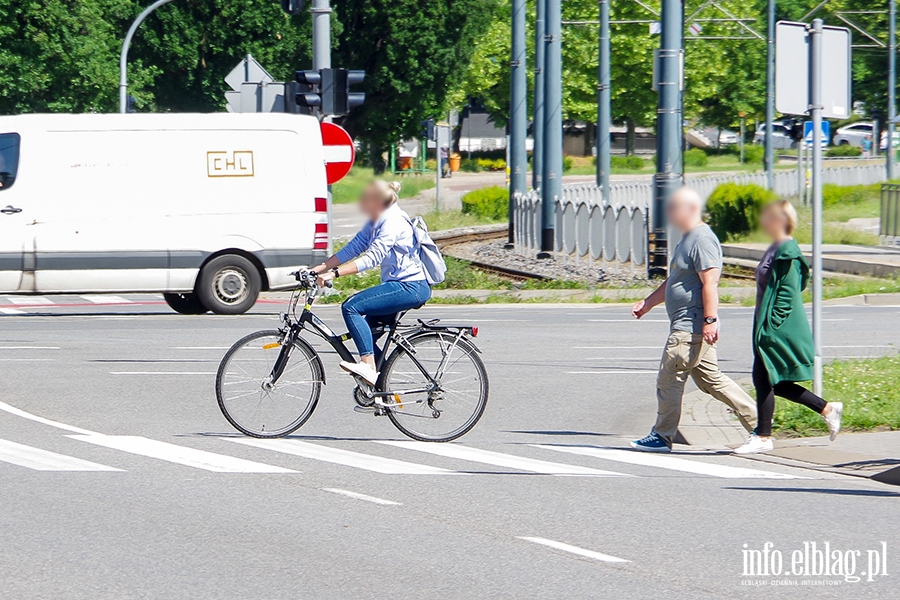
{"points": [[710, 320], [335, 271]]}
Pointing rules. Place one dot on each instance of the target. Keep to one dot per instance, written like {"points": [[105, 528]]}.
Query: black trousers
{"points": [[766, 392]]}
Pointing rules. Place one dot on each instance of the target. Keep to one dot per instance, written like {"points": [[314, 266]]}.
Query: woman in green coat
{"points": [[783, 349]]}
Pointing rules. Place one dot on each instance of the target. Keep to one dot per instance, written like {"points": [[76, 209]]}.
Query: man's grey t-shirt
{"points": [[697, 251]]}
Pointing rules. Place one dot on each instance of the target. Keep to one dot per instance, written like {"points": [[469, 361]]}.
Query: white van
{"points": [[209, 209]]}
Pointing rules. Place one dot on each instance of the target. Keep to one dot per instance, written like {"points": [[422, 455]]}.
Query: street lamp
{"points": [[123, 57]]}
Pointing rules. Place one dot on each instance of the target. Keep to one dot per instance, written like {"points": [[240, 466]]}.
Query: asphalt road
{"points": [[127, 505]]}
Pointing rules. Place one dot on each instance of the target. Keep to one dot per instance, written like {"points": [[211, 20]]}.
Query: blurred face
{"points": [[371, 203], [774, 223], [683, 210]]}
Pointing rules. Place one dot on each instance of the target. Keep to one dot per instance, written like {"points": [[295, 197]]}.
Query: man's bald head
{"points": [[685, 208]]}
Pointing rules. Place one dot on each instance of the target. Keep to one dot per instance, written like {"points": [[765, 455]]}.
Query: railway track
{"points": [[447, 240]]}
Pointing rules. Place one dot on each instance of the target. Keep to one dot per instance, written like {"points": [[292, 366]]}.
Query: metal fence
{"points": [[889, 228]]}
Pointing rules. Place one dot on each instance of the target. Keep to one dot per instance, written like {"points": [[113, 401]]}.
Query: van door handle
{"points": [[10, 210]]}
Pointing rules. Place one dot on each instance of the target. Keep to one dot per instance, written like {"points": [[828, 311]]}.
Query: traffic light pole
{"points": [[518, 113], [123, 56], [551, 178], [604, 107], [669, 171], [321, 59], [770, 98], [892, 88], [537, 153]]}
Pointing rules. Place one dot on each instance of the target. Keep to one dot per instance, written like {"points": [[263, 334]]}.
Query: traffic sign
{"points": [[808, 133], [247, 71], [792, 70], [339, 152]]}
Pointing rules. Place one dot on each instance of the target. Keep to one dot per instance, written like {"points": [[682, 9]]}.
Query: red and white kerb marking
{"points": [[339, 152]]}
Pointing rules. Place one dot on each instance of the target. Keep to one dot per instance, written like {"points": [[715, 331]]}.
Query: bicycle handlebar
{"points": [[307, 279]]}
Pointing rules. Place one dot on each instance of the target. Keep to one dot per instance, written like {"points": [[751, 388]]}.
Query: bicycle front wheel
{"points": [[262, 397], [440, 410]]}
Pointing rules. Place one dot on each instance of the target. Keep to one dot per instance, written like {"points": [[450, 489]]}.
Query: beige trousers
{"points": [[688, 354]]}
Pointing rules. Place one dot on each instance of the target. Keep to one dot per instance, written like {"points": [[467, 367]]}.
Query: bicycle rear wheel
{"points": [[435, 413], [258, 404]]}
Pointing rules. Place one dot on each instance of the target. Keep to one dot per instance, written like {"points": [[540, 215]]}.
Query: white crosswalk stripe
{"points": [[105, 299], [387, 466], [668, 462], [44, 460], [182, 455], [498, 459], [31, 300]]}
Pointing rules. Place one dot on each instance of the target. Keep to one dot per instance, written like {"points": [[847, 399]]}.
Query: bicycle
{"points": [[432, 385]]}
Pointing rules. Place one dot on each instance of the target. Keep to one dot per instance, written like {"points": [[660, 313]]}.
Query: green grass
{"points": [[868, 388], [451, 219], [350, 187]]}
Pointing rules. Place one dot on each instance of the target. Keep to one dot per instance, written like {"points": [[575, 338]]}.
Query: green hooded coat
{"points": [[783, 337]]}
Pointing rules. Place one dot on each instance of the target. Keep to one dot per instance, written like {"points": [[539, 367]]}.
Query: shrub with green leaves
{"points": [[753, 153], [733, 209], [469, 165], [843, 151], [491, 164], [695, 157], [489, 203], [631, 163], [568, 163]]}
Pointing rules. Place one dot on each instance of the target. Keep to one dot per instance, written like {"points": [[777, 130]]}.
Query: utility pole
{"points": [[518, 113], [604, 108], [892, 87], [321, 59], [537, 153], [551, 179], [123, 55], [770, 98], [669, 170], [815, 110]]}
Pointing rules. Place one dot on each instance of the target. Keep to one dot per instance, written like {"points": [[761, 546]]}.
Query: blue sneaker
{"points": [[651, 443]]}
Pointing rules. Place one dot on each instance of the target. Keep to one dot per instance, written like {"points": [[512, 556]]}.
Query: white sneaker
{"points": [[363, 370], [834, 419], [755, 445]]}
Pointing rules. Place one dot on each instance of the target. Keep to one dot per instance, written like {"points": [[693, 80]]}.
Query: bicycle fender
{"points": [[300, 341]]}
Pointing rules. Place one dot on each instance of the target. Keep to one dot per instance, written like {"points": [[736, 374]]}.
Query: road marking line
{"points": [[12, 311], [25, 415], [623, 358], [161, 373], [386, 466], [864, 346], [618, 347], [32, 301], [573, 549], [627, 320], [26, 360], [104, 299], [44, 460], [498, 459], [667, 462], [182, 455], [624, 372], [200, 347], [363, 497], [29, 347]]}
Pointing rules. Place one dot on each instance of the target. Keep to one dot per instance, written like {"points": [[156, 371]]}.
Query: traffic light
{"points": [[292, 7], [306, 97], [795, 128], [428, 131], [344, 99]]}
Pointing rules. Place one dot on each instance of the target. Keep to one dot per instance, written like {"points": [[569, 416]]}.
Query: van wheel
{"points": [[229, 285], [185, 304]]}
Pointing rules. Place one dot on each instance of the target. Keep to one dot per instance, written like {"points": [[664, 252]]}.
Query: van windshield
{"points": [[9, 159]]}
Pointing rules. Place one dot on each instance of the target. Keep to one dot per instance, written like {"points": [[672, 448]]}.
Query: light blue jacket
{"points": [[387, 242]]}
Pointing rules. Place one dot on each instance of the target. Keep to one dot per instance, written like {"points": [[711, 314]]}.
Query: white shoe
{"points": [[834, 419], [360, 369], [755, 445]]}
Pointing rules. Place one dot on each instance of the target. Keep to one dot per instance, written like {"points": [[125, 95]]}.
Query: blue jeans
{"points": [[371, 307]]}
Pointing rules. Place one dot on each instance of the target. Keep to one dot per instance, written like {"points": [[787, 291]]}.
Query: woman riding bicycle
{"points": [[387, 239]]}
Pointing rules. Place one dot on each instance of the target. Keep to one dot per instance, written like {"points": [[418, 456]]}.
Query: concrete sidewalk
{"points": [[876, 261]]}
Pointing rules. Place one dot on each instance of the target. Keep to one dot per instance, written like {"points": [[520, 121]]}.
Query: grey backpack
{"points": [[427, 252]]}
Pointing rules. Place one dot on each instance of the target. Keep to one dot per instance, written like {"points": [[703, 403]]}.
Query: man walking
{"points": [[691, 294]]}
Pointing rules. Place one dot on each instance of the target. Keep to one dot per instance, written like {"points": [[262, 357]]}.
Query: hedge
{"points": [[734, 209], [489, 203]]}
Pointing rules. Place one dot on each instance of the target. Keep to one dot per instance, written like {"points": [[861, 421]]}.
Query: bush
{"points": [[491, 164], [489, 203], [568, 163], [753, 153], [469, 165], [845, 150], [695, 157], [631, 163], [734, 208]]}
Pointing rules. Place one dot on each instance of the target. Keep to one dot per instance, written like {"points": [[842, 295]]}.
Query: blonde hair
{"points": [[787, 209], [388, 190]]}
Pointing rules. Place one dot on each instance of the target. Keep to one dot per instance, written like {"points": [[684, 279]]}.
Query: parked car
{"points": [[780, 135], [207, 209], [853, 134]]}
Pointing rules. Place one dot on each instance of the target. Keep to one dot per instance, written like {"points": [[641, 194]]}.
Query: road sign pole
{"points": [[604, 107], [518, 113], [892, 87], [815, 109], [321, 59], [537, 152], [770, 97], [551, 184]]}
